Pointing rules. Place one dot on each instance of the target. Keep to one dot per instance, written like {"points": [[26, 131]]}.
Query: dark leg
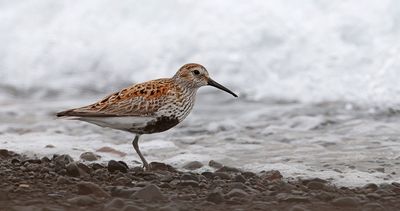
{"points": [[136, 147]]}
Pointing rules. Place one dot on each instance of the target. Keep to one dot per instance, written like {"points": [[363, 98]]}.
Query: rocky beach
{"points": [[59, 183]]}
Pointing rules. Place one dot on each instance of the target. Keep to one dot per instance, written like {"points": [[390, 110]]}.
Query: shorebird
{"points": [[150, 107]]}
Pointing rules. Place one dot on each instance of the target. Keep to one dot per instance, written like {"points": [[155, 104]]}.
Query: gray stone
{"points": [[119, 191], [89, 156], [346, 202], [237, 193], [72, 169], [187, 176], [373, 207], [185, 183], [115, 203], [239, 178], [63, 160], [222, 175], [193, 165], [216, 197], [215, 164], [82, 200], [150, 193], [316, 185], [114, 166], [85, 188]]}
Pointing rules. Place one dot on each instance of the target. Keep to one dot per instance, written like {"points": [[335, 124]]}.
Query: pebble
{"points": [[346, 202], [5, 154], [239, 178], [62, 180], [316, 185], [193, 165], [222, 175], [82, 200], [89, 156], [370, 187], [271, 175], [121, 191], [228, 169], [150, 193], [114, 166], [373, 206], [215, 196], [187, 176], [73, 170], [62, 160], [237, 193], [215, 164], [156, 166], [115, 203], [185, 183], [85, 188]]}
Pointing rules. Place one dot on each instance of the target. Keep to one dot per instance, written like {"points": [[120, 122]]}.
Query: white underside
{"points": [[120, 123]]}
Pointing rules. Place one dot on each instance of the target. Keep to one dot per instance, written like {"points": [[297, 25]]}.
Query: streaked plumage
{"points": [[149, 107]]}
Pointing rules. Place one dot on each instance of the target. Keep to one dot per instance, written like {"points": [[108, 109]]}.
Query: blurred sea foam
{"points": [[303, 50]]}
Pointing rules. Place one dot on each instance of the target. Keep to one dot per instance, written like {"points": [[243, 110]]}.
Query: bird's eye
{"points": [[196, 72]]}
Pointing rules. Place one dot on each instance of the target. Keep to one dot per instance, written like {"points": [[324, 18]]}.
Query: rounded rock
{"points": [[150, 193], [89, 156], [346, 202], [114, 166]]}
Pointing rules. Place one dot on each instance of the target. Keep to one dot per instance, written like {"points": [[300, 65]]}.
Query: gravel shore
{"points": [[60, 183]]}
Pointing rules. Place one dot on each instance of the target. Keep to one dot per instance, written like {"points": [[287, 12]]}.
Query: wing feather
{"points": [[142, 99]]}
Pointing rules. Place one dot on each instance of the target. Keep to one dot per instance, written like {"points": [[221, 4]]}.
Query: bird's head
{"points": [[195, 76]]}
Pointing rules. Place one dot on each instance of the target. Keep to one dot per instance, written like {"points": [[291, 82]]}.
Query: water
{"points": [[317, 81]]}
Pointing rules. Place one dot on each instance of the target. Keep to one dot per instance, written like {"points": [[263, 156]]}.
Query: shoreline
{"points": [[60, 183]]}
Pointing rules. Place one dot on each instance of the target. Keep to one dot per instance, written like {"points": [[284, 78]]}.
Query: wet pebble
{"points": [[228, 169], [150, 193], [156, 166], [271, 175], [62, 160], [114, 166], [193, 165], [346, 202], [89, 156], [85, 188], [215, 164]]}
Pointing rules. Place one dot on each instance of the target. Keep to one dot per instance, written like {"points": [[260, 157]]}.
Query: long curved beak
{"points": [[213, 83]]}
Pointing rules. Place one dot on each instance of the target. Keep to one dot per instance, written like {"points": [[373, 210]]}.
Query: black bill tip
{"points": [[219, 86]]}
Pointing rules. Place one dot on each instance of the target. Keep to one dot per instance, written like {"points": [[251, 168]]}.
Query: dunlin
{"points": [[149, 107]]}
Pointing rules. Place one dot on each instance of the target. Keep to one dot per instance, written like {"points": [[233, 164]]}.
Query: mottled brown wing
{"points": [[142, 99]]}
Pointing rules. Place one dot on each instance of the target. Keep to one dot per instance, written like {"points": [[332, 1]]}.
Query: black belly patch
{"points": [[161, 124]]}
